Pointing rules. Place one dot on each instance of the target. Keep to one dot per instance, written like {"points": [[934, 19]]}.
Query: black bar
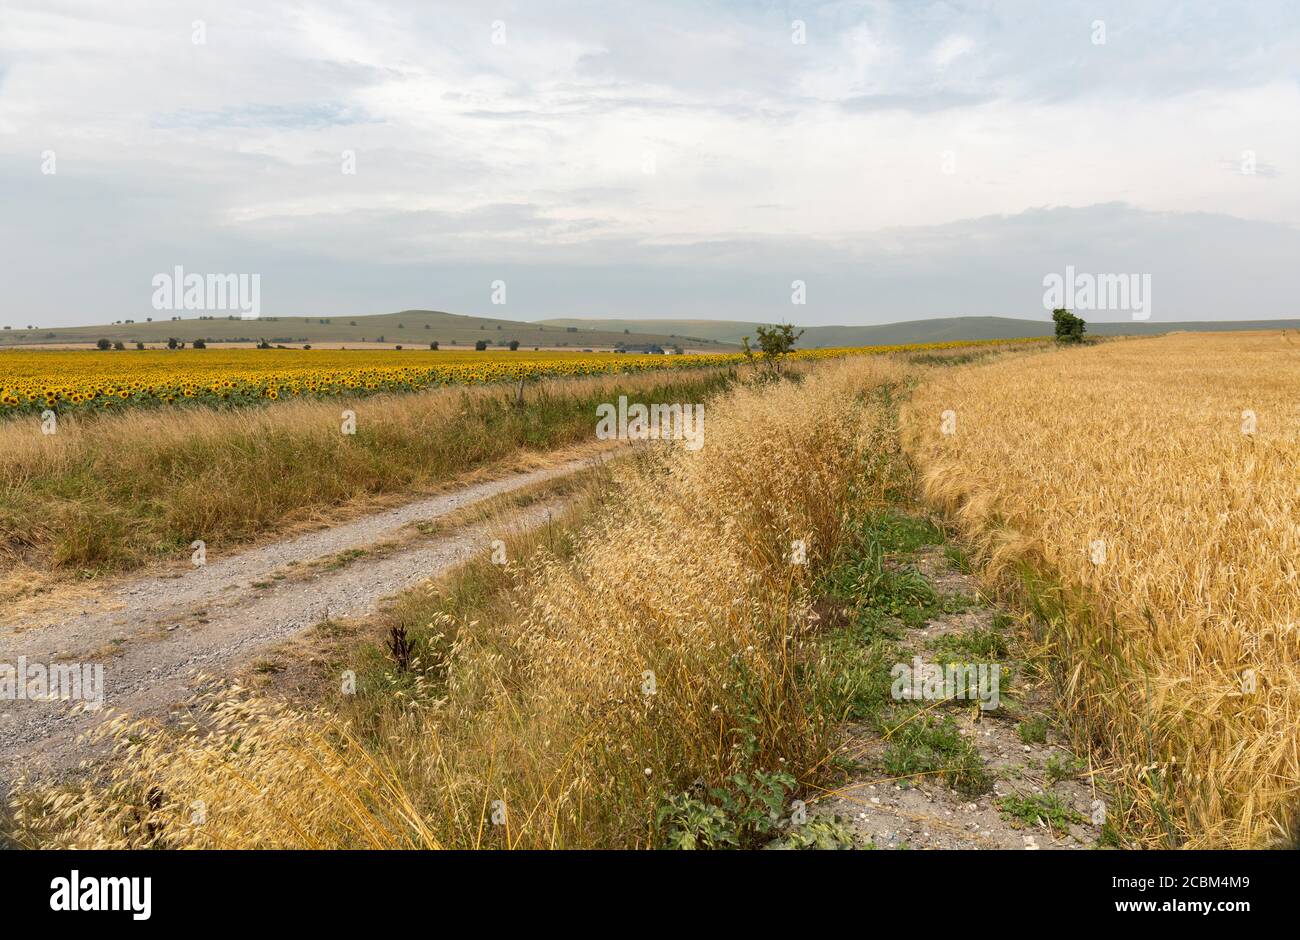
{"points": [[872, 887]]}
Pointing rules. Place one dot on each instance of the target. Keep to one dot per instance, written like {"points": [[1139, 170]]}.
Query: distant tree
{"points": [[481, 345], [119, 345], [199, 344], [139, 345], [104, 344], [433, 345], [777, 341], [1069, 328], [514, 344], [398, 346], [171, 342]]}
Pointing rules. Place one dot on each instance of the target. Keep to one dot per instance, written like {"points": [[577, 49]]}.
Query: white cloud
{"points": [[473, 153], [950, 49]]}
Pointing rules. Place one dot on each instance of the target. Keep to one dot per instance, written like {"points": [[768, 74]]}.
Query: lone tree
{"points": [[1069, 328], [777, 341], [774, 342]]}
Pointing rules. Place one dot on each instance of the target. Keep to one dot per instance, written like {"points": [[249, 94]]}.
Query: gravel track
{"points": [[154, 634]]}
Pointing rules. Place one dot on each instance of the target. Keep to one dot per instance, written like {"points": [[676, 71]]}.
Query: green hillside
{"points": [[420, 327], [938, 330], [409, 327]]}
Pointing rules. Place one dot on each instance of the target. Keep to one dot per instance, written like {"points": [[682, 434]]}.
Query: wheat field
{"points": [[1144, 494]]}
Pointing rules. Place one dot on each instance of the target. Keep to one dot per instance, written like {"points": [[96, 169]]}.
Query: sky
{"points": [[878, 161]]}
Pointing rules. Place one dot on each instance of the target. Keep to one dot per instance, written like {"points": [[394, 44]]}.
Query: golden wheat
{"points": [[1154, 481]]}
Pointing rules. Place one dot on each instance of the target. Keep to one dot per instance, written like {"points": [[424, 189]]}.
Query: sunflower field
{"points": [[62, 379]]}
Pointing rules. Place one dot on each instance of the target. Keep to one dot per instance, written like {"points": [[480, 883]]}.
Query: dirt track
{"points": [[153, 634]]}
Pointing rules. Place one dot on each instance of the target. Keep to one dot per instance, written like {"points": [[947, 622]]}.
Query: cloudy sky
{"points": [[648, 158]]}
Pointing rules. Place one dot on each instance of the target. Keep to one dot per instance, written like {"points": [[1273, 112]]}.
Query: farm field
{"points": [[522, 682], [137, 480], [1120, 515], [1141, 497], [35, 380], [111, 490]]}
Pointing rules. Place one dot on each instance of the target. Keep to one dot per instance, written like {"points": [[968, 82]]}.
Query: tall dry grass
{"points": [[684, 572], [1178, 655], [115, 491]]}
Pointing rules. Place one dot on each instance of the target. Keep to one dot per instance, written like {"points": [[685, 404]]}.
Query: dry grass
{"points": [[112, 492], [682, 571], [1140, 444]]}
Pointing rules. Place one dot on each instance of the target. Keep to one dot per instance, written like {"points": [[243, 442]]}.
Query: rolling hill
{"points": [[938, 330], [409, 327], [417, 328]]}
